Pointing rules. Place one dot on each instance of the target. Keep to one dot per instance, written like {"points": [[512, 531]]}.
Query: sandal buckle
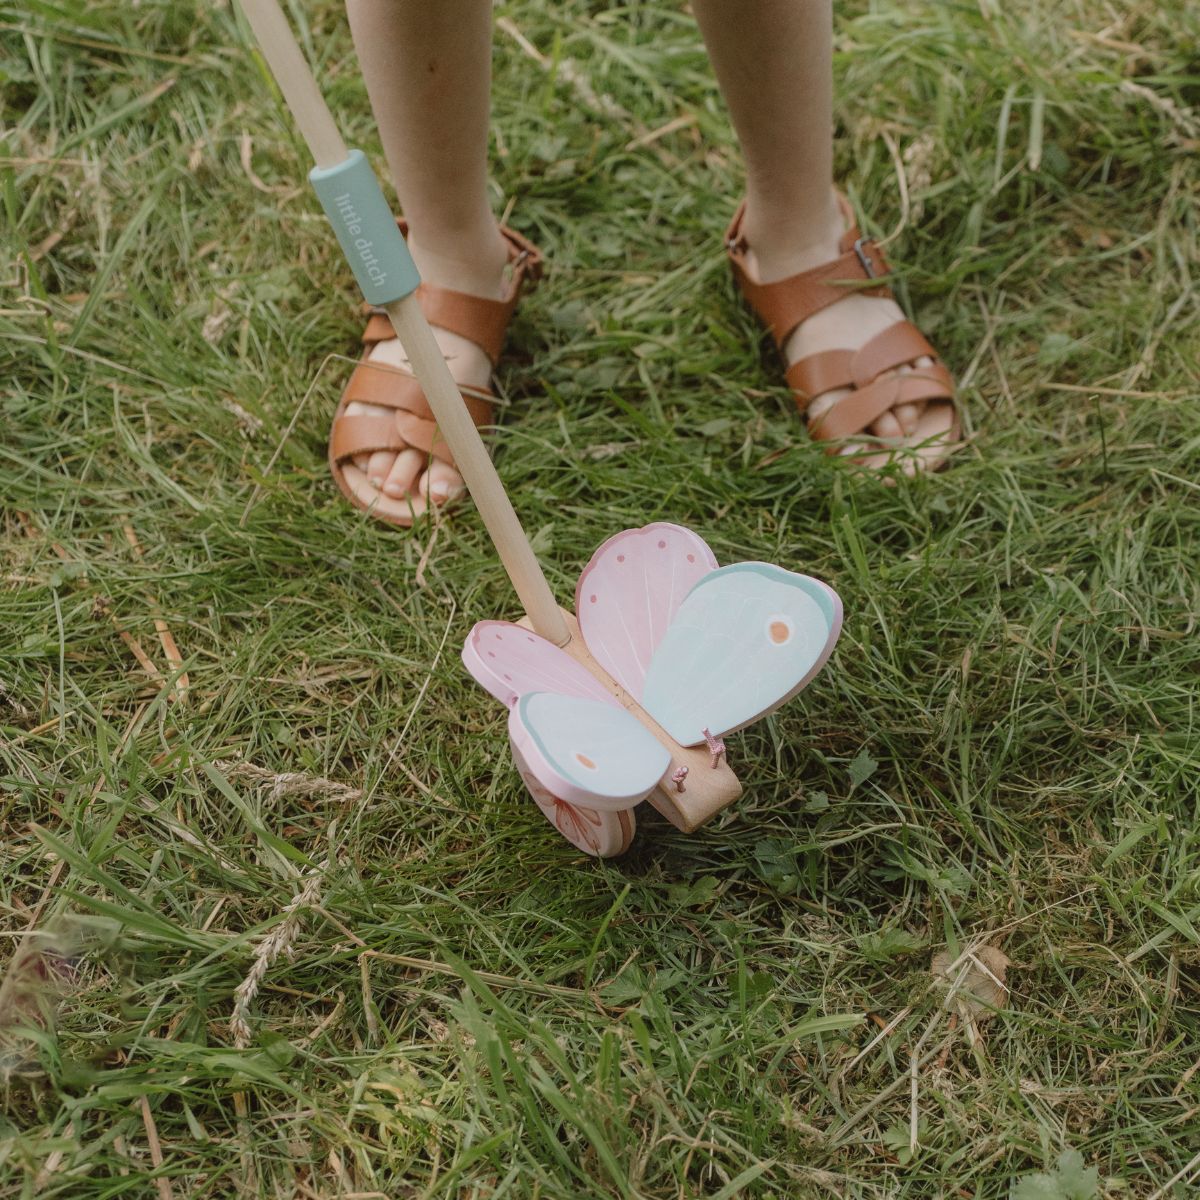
{"points": [[528, 260], [864, 258]]}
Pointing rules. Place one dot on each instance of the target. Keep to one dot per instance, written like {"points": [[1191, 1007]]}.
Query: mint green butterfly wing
{"points": [[745, 640]]}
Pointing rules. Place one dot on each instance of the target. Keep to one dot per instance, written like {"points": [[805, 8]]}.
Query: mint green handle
{"points": [[353, 202]]}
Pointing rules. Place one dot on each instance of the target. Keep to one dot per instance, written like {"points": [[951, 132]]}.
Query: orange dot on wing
{"points": [[584, 761], [779, 632]]}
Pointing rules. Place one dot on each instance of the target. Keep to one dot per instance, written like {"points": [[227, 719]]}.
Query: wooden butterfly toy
{"points": [[671, 652]]}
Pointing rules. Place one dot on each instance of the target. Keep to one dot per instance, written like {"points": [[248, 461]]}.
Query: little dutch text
{"points": [[364, 247]]}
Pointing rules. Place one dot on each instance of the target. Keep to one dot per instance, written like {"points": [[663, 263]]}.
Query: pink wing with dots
{"points": [[510, 662], [631, 590]]}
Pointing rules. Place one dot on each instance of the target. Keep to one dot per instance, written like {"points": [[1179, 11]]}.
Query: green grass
{"points": [[704, 1016]]}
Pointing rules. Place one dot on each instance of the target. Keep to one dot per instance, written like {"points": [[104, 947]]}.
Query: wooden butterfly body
{"points": [[703, 650]]}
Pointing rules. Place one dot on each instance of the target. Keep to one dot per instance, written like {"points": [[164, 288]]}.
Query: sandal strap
{"points": [[898, 345], [476, 318], [393, 387], [479, 320], [364, 433], [871, 372], [411, 424], [423, 435], [379, 327], [785, 303], [857, 410]]}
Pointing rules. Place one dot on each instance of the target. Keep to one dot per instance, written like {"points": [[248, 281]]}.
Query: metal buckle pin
{"points": [[865, 258]]}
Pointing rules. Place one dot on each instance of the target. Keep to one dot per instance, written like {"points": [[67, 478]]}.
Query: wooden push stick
{"points": [[316, 124], [477, 469], [296, 82]]}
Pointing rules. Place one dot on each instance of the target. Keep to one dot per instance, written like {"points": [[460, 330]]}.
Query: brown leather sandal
{"points": [[411, 425], [871, 370]]}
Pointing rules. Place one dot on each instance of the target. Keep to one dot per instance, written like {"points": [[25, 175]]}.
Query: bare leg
{"points": [[427, 68], [774, 62]]}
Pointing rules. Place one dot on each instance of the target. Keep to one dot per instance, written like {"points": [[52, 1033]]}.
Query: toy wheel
{"points": [[601, 834]]}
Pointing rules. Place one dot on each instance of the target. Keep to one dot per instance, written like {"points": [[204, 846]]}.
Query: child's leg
{"points": [[427, 68], [773, 60]]}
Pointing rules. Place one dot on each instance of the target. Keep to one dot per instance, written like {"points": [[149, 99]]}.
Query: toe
{"points": [[377, 466], [441, 483], [819, 405], [400, 479], [361, 461], [908, 416], [935, 437], [888, 426]]}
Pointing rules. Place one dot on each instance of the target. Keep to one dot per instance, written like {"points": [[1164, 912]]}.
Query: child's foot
{"points": [[847, 399], [384, 450]]}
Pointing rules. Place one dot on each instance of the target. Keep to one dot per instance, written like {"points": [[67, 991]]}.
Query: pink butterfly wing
{"points": [[601, 834], [509, 662], [630, 591]]}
